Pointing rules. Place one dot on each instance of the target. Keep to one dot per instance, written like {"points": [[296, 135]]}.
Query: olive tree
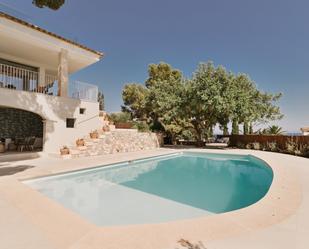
{"points": [[134, 97], [212, 96], [203, 100]]}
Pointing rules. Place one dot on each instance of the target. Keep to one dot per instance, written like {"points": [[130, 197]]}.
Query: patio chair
{"points": [[219, 143], [21, 144], [30, 143], [211, 140], [224, 140]]}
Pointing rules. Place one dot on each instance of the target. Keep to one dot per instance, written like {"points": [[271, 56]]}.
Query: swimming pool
{"points": [[160, 189]]}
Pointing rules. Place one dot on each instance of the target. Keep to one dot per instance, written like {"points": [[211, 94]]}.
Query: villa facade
{"points": [[305, 131], [37, 97]]}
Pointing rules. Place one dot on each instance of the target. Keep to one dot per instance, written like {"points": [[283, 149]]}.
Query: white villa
{"points": [[37, 97], [305, 131]]}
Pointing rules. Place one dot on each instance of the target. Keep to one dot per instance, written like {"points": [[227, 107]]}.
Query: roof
{"points": [[305, 129], [29, 25]]}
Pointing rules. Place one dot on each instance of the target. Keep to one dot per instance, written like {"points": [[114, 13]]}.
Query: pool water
{"points": [[160, 189]]}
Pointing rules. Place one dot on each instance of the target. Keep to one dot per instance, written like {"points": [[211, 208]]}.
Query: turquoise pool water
{"points": [[178, 186]]}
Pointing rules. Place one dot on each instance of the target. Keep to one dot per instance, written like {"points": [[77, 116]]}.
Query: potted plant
{"points": [[94, 135], [106, 128], [64, 151], [80, 142]]}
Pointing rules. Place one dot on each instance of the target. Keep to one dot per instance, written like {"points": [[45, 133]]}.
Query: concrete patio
{"points": [[28, 219]]}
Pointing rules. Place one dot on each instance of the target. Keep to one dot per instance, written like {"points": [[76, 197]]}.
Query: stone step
{"points": [[81, 148]]}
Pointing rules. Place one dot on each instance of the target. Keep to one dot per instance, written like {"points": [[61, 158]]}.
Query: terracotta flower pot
{"points": [[94, 135], [106, 128], [80, 142], [64, 151]]}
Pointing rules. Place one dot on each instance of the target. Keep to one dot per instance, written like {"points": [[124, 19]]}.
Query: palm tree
{"points": [[273, 130]]}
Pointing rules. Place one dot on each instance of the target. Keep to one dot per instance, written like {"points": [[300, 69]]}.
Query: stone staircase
{"points": [[115, 141], [111, 141]]}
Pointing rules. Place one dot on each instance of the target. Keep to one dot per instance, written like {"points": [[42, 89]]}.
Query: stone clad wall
{"points": [[18, 123], [117, 141], [129, 140]]}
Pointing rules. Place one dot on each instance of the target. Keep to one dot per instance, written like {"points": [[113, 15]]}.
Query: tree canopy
{"points": [[52, 4], [194, 106]]}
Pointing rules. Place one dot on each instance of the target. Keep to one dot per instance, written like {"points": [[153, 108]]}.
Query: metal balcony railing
{"points": [[16, 78]]}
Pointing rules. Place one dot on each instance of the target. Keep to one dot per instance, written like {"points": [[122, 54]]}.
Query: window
{"points": [[82, 110], [70, 122]]}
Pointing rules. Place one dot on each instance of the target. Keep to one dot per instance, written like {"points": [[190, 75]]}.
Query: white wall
{"points": [[54, 110]]}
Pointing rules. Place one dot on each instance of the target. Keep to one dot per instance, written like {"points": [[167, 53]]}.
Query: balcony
{"points": [[17, 78]]}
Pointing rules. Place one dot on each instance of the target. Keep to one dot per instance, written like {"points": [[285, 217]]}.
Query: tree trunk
{"points": [[235, 128], [198, 135], [250, 128], [225, 130], [199, 140], [246, 128], [210, 132]]}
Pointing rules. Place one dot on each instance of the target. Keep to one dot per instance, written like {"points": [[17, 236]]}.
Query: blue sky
{"points": [[269, 40]]}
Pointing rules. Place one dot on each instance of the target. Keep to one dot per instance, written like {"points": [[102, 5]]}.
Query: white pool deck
{"points": [[29, 220]]}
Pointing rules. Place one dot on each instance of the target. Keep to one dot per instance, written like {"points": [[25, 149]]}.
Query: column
{"points": [[63, 73], [42, 76]]}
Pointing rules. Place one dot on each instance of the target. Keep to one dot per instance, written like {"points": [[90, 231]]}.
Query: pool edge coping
{"points": [[261, 206]]}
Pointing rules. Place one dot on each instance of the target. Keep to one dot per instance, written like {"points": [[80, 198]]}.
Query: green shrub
{"points": [[290, 147], [187, 135], [249, 146], [302, 150], [141, 126], [240, 145], [253, 146], [305, 150], [272, 146], [157, 126], [256, 146], [120, 117], [297, 149]]}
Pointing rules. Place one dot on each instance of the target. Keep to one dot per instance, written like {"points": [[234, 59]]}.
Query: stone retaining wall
{"points": [[125, 141], [117, 141]]}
